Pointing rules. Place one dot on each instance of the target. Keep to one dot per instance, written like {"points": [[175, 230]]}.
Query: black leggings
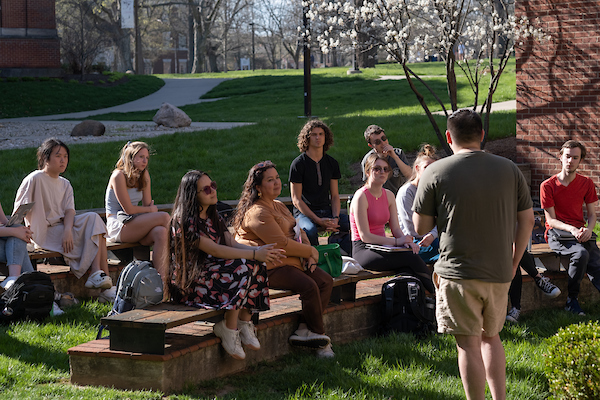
{"points": [[401, 262], [528, 264]]}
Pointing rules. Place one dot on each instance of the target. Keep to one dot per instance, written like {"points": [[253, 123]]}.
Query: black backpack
{"points": [[30, 297], [406, 308]]}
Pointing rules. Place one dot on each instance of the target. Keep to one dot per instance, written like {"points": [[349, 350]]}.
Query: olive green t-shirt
{"points": [[475, 198]]}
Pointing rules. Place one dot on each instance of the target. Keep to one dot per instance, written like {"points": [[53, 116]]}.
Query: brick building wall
{"points": [[558, 86], [29, 43]]}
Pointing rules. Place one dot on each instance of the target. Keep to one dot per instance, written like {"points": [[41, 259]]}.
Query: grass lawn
{"points": [[34, 364], [53, 96], [273, 100]]}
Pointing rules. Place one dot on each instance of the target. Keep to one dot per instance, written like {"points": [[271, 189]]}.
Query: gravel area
{"points": [[19, 135]]}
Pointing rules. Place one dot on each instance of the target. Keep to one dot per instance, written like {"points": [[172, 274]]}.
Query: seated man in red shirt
{"points": [[562, 197]]}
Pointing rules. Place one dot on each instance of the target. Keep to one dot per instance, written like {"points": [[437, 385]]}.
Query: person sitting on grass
{"points": [[13, 250], [514, 293], [79, 238], [128, 222], [372, 208], [429, 244], [261, 219], [209, 269]]}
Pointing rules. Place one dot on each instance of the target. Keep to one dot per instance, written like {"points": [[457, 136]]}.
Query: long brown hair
{"points": [[133, 177], [184, 227], [250, 192]]}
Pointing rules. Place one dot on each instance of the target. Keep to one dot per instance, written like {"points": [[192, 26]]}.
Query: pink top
{"points": [[378, 214]]}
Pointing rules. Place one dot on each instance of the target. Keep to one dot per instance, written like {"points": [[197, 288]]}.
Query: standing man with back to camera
{"points": [[484, 216]]}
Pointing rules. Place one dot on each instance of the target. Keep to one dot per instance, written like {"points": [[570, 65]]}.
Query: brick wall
{"points": [[29, 51], [558, 86]]}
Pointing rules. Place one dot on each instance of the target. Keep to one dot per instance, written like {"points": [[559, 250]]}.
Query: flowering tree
{"points": [[476, 36]]}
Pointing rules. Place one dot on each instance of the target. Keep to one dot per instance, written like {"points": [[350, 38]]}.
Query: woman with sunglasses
{"points": [[126, 220], [261, 219], [209, 269], [372, 208]]}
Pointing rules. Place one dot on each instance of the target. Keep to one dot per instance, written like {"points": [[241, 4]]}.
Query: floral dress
{"points": [[225, 284]]}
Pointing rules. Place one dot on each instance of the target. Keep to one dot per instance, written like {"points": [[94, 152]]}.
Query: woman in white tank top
{"points": [[128, 221]]}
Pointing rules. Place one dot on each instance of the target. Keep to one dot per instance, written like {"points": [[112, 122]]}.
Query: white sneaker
{"points": [[8, 282], [230, 340], [326, 352], [304, 337], [248, 335], [108, 296], [56, 311], [98, 280]]}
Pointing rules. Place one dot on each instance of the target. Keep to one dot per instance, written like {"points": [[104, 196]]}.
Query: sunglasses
{"points": [[209, 188], [377, 142], [263, 164], [379, 169]]}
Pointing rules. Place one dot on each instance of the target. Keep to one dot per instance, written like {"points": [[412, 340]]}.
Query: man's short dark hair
{"points": [[465, 126], [45, 150], [372, 130], [571, 144]]}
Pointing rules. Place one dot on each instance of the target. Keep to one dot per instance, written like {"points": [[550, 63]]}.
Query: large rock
{"points": [[171, 117], [89, 128]]}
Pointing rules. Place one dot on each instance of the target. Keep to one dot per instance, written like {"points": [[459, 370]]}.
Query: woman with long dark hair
{"points": [[209, 269], [261, 219]]}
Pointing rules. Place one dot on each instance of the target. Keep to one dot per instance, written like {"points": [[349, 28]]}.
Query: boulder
{"points": [[172, 117], [89, 128]]}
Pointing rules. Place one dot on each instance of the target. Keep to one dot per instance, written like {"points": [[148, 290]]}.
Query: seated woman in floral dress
{"points": [[209, 269]]}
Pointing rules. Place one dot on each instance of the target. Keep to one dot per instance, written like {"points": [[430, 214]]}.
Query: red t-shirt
{"points": [[568, 201]]}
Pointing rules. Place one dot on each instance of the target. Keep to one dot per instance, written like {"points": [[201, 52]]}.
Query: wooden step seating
{"points": [[144, 330]]}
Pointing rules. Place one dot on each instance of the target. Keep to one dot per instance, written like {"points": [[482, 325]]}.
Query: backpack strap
{"points": [[388, 297]]}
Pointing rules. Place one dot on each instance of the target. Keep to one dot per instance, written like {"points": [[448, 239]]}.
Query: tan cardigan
{"points": [[271, 222]]}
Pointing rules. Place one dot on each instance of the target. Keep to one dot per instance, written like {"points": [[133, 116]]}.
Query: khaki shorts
{"points": [[470, 307]]}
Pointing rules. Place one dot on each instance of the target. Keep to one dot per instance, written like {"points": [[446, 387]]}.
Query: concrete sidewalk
{"points": [[178, 92]]}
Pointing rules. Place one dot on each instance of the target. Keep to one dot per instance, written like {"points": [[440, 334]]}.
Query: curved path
{"points": [[178, 92]]}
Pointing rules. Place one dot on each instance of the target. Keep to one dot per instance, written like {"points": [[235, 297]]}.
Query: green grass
{"points": [[272, 99], [34, 364], [31, 98]]}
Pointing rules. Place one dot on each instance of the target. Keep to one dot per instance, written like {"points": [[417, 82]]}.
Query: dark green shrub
{"points": [[28, 79], [44, 78], [13, 79], [573, 362], [101, 82], [90, 82], [73, 81]]}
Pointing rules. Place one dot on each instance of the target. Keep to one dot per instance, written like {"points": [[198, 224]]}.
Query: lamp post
{"points": [[253, 52], [307, 86], [139, 54]]}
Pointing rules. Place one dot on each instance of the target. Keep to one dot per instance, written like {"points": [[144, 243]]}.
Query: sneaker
{"points": [[513, 315], [108, 296], [547, 287], [248, 335], [98, 280], [326, 352], [573, 306], [230, 340], [304, 337], [56, 311], [8, 282]]}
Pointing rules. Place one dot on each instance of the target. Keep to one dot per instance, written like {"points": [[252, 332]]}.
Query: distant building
{"points": [[29, 44]]}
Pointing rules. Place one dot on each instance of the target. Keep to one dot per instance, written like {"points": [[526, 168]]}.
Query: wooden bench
{"points": [[143, 330]]}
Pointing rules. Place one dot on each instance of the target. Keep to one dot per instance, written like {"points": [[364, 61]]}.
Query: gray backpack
{"points": [[139, 286]]}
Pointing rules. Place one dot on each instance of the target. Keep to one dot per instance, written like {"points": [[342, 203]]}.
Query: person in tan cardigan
{"points": [[261, 219]]}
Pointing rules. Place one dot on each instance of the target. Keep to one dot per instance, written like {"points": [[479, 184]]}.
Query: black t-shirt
{"points": [[315, 179]]}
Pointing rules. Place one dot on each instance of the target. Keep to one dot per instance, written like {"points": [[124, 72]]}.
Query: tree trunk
{"points": [[123, 60]]}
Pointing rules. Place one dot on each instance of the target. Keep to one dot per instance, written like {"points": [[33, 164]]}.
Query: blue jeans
{"points": [[312, 229], [13, 251], [431, 253]]}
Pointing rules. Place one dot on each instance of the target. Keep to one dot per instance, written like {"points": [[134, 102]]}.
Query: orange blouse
{"points": [[269, 222]]}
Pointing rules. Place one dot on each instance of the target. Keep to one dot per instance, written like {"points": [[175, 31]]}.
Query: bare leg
{"points": [[149, 229], [471, 366], [494, 360], [14, 270], [231, 318], [245, 315], [101, 260]]}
